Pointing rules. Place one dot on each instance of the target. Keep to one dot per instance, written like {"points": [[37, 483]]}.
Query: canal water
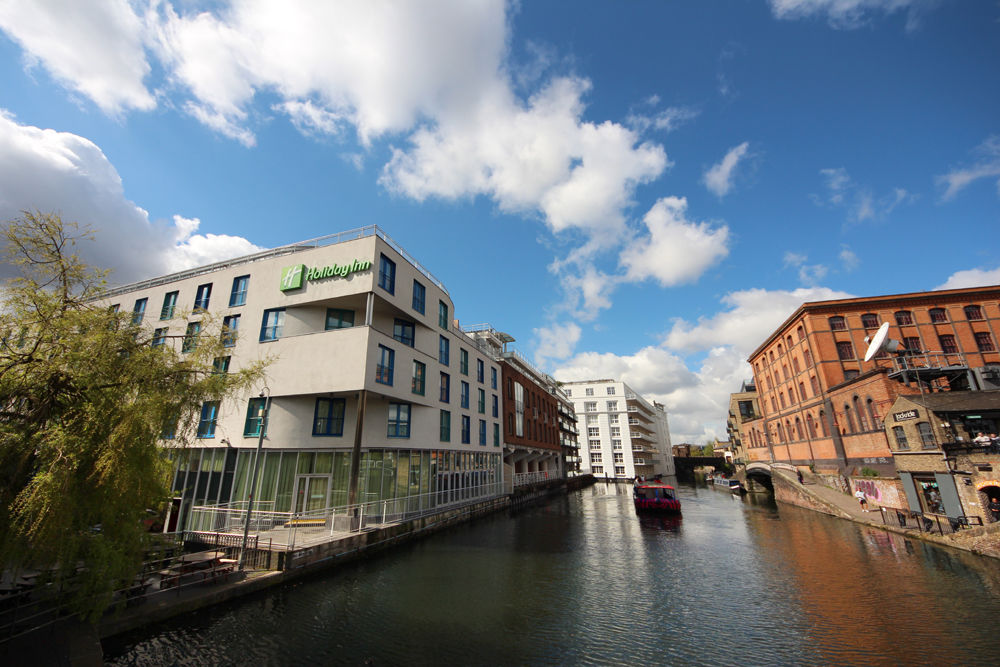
{"points": [[583, 580]]}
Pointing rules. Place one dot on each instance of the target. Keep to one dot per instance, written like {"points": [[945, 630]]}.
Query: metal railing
{"points": [[536, 477], [927, 523]]}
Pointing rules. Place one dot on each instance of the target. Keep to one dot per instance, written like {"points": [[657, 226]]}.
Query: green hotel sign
{"points": [[293, 277]]}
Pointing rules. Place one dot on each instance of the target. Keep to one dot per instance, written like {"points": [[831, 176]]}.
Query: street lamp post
{"points": [[262, 415]]}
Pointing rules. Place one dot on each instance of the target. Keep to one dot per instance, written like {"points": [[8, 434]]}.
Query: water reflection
{"points": [[585, 580]]}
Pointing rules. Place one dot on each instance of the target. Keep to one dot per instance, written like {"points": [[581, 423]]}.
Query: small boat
{"points": [[656, 497]]}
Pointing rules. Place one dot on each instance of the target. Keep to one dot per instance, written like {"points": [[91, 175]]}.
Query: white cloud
{"points": [[94, 48], [848, 14], [809, 274], [676, 250], [971, 278], [63, 173], [667, 120], [987, 166], [556, 341], [309, 118], [861, 204], [719, 178], [849, 259]]}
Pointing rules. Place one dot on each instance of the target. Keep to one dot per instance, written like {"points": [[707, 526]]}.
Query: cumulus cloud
{"points": [[971, 278], [666, 120], [675, 250], [556, 341], [64, 173], [719, 177], [809, 274], [986, 166], [849, 14], [94, 48]]}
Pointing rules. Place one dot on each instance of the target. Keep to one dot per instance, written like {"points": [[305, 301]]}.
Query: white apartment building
{"points": [[622, 435], [374, 393]]}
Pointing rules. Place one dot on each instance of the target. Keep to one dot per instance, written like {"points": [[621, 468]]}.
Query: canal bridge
{"points": [[684, 465]]}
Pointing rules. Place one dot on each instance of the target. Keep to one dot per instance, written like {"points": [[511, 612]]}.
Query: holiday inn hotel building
{"points": [[366, 367]]}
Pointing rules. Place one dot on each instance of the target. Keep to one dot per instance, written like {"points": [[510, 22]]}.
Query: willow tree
{"points": [[85, 397]]}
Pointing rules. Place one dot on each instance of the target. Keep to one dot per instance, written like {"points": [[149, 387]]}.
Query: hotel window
{"points": [[973, 312], [338, 318], [169, 304], [419, 295], [597, 470], [442, 314], [869, 321], [518, 410], [480, 371], [838, 323], [221, 364], [590, 406], [612, 419], [612, 406], [272, 324], [569, 393], [616, 443], [926, 437], [419, 376], [159, 337], [911, 343], [464, 395], [904, 317], [238, 296], [191, 336], [445, 387], [984, 341], [138, 311], [616, 432], [230, 327], [255, 416], [209, 416], [619, 470], [387, 274], [328, 419], [493, 379], [938, 315], [593, 432], [496, 406], [202, 296], [611, 391], [463, 361], [445, 431], [900, 435], [466, 428], [482, 432], [399, 420], [591, 419], [619, 457], [948, 345], [589, 391], [845, 350], [402, 330], [595, 457], [386, 359], [443, 350], [496, 435], [482, 401], [594, 444]]}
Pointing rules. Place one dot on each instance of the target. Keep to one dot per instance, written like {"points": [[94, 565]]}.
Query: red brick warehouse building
{"points": [[822, 404]]}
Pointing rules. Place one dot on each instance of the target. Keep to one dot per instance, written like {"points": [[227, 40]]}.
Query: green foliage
{"points": [[84, 399], [868, 472]]}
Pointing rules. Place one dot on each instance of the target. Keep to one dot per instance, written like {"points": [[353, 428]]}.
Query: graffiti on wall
{"points": [[870, 488]]}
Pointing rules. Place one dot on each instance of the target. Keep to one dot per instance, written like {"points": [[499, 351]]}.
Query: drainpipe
{"points": [[352, 493]]}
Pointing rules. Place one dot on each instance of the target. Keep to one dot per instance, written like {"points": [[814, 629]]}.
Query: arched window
{"points": [[810, 426], [780, 352], [848, 419], [838, 323], [789, 341], [973, 312], [872, 415], [938, 315], [780, 433], [801, 333], [869, 321], [904, 317], [789, 431], [784, 370], [798, 429], [795, 364], [807, 358], [822, 423], [862, 419]]}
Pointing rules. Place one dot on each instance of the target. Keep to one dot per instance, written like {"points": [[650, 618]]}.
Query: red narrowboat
{"points": [[655, 497]]}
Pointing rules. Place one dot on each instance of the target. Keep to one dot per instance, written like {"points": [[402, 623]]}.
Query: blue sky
{"points": [[638, 190]]}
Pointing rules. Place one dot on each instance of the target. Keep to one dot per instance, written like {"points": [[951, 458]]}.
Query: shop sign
{"points": [[905, 415], [293, 277]]}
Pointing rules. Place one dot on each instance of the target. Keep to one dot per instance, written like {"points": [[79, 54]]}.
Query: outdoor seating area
{"points": [[204, 566]]}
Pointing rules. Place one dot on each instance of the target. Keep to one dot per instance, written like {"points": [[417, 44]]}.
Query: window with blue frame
{"points": [[220, 364], [465, 395], [493, 378], [419, 377], [443, 350], [255, 417], [202, 296], [496, 406], [482, 401], [442, 314], [496, 435], [387, 274], [169, 305], [238, 296], [191, 336], [445, 426], [138, 311], [419, 295], [230, 327], [159, 337], [272, 324], [466, 428], [338, 318], [209, 416], [386, 359], [402, 330], [445, 388], [463, 361], [329, 417], [482, 432], [399, 420], [480, 371]]}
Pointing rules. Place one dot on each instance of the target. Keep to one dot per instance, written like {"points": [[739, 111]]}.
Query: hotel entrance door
{"points": [[311, 493]]}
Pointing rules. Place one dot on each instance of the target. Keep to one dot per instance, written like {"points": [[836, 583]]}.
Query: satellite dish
{"points": [[879, 342]]}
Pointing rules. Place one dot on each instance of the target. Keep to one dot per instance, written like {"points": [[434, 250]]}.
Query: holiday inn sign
{"points": [[293, 277]]}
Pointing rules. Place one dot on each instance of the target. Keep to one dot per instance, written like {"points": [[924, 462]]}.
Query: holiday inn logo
{"points": [[293, 277]]}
